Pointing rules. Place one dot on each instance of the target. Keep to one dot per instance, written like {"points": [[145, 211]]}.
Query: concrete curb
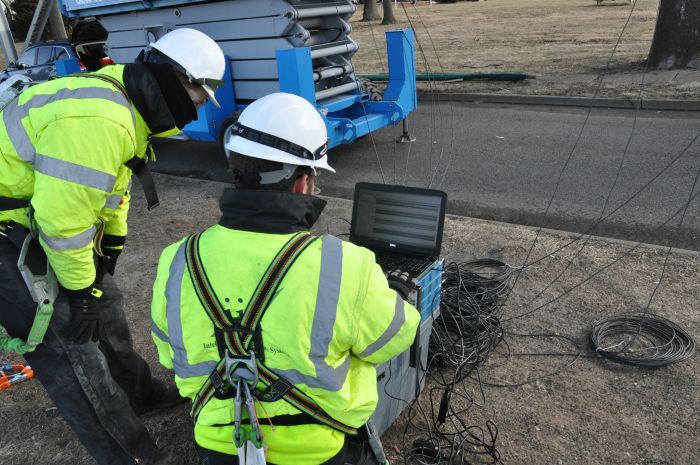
{"points": [[550, 100]]}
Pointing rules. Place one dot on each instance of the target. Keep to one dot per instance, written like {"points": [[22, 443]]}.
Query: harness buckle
{"points": [[275, 391], [235, 373]]}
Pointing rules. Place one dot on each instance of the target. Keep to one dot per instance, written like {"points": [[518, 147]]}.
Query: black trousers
{"points": [[355, 451], [94, 385]]}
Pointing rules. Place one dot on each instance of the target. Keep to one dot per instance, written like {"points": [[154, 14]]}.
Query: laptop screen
{"points": [[397, 218]]}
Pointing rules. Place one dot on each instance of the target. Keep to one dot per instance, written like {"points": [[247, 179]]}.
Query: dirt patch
{"points": [[585, 411], [552, 40]]}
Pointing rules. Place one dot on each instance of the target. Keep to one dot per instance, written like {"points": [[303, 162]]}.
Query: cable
{"points": [[431, 132], [469, 325], [576, 143], [466, 331], [628, 200], [641, 339], [627, 253], [666, 342], [450, 154]]}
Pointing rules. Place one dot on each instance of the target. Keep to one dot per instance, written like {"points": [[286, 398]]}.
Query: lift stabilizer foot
{"points": [[406, 137]]}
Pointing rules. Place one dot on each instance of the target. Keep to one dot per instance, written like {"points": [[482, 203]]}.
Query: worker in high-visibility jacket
{"points": [[67, 151], [330, 319]]}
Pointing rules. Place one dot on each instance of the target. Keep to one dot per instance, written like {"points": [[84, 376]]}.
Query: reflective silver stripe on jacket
{"points": [[73, 172], [12, 116], [77, 241], [159, 333], [14, 113], [113, 201], [327, 296], [393, 329], [173, 289], [105, 93]]}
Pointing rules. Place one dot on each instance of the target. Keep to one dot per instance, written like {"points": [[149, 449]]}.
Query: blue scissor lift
{"points": [[297, 46]]}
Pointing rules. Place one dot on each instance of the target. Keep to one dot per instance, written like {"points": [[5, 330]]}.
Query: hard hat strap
{"points": [[278, 143]]}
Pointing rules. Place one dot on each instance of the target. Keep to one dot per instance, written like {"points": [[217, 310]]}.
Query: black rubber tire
{"points": [[225, 126], [369, 87]]}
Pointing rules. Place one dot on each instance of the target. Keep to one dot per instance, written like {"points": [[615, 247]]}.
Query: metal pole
{"points": [[36, 28], [58, 30], [322, 11], [348, 47], [333, 91], [8, 43]]}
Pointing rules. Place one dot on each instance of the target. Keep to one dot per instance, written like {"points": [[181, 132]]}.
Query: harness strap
{"points": [[239, 334], [8, 203], [15, 233], [298, 419], [140, 169]]}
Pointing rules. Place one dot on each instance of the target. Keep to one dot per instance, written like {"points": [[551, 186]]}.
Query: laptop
{"points": [[401, 225]]}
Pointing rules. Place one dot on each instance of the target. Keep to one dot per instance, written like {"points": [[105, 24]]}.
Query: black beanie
{"points": [[176, 96]]}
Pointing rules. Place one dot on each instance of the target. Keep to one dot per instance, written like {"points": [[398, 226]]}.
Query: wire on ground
{"points": [[641, 339], [466, 331]]}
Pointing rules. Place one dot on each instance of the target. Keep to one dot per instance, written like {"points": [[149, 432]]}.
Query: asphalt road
{"points": [[523, 165]]}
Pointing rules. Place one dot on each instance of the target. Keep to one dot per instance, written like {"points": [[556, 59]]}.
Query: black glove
{"points": [[401, 282], [85, 315], [111, 249]]}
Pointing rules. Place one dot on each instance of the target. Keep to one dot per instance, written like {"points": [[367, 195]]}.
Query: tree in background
{"points": [[370, 12], [677, 35], [20, 14], [388, 7]]}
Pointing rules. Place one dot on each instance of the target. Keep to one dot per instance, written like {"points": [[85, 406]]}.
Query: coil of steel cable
{"points": [[642, 339]]}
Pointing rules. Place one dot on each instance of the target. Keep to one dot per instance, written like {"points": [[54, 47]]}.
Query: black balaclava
{"points": [[159, 96]]}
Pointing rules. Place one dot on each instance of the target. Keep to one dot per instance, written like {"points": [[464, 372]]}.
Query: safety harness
{"points": [[40, 281], [242, 366]]}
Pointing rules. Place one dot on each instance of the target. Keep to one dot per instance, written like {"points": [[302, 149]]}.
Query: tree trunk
{"points": [[370, 12], [388, 6], [677, 35]]}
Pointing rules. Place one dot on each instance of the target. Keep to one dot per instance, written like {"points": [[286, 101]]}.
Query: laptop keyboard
{"points": [[414, 266]]}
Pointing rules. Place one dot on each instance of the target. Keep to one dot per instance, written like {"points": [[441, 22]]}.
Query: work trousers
{"points": [[94, 385]]}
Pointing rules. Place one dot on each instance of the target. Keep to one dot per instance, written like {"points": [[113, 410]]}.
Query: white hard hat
{"points": [[283, 128], [198, 56]]}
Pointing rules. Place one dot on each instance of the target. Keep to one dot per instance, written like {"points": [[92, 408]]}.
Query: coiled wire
{"points": [[467, 330], [641, 339], [469, 325]]}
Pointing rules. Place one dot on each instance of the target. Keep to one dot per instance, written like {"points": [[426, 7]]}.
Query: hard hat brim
{"points": [[212, 97], [253, 149]]}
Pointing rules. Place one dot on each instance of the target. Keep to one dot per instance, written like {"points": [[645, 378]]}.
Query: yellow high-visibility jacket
{"points": [[63, 144], [331, 321]]}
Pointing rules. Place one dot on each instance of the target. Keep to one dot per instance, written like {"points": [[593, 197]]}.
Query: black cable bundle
{"points": [[469, 325], [467, 330], [641, 339]]}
